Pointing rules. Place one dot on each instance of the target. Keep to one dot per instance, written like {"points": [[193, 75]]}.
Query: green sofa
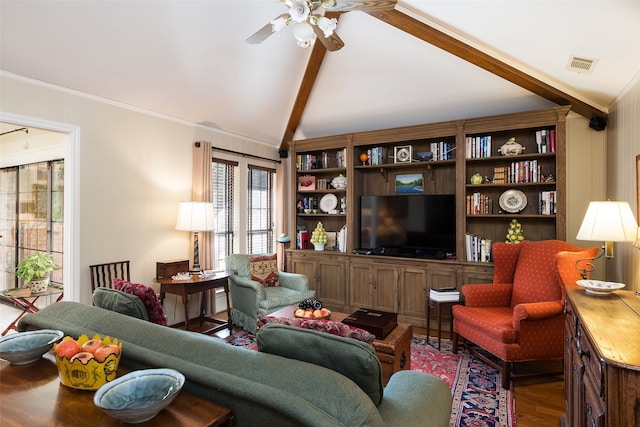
{"points": [[261, 388]]}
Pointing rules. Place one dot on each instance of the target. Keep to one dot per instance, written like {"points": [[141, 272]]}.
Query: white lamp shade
{"points": [[195, 216], [608, 222]]}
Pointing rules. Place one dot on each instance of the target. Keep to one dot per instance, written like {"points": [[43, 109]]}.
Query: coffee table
{"points": [[32, 395], [394, 351]]}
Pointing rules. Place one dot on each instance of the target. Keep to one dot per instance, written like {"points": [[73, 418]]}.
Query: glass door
{"points": [[31, 216]]}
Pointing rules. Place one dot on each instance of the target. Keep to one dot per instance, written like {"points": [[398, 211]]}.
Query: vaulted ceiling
{"points": [[422, 62]]}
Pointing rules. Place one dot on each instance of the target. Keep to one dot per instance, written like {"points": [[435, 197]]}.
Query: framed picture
{"points": [[306, 183], [408, 184], [332, 242]]}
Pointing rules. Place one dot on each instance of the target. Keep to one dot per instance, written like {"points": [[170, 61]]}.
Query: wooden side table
{"points": [[27, 301], [32, 395], [439, 306], [197, 284]]}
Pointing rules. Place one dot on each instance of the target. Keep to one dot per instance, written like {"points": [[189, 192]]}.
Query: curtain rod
{"points": [[242, 154], [15, 130]]}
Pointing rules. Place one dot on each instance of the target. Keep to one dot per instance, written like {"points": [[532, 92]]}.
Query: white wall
{"points": [[133, 168], [622, 149]]}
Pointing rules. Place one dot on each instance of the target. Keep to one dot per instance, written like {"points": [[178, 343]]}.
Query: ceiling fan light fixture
{"points": [[304, 34], [299, 10], [279, 24], [327, 25]]}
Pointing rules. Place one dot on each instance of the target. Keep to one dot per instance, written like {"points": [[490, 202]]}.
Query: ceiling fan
{"points": [[310, 21]]}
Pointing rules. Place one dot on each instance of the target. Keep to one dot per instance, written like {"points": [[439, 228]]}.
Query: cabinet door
{"points": [[594, 414], [413, 292], [441, 278], [385, 288], [331, 282], [302, 263], [360, 285]]}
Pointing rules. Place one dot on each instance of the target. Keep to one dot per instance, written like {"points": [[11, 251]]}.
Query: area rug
{"points": [[478, 398]]}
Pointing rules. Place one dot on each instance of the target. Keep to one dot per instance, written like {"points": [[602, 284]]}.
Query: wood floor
{"points": [[539, 401]]}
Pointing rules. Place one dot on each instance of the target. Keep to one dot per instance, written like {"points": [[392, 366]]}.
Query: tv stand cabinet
{"points": [[345, 282]]}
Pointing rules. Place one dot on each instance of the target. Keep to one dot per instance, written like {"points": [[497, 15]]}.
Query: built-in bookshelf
{"points": [[519, 159]]}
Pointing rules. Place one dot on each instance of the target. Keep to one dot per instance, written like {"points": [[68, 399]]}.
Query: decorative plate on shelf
{"points": [[513, 201], [328, 202], [598, 287]]}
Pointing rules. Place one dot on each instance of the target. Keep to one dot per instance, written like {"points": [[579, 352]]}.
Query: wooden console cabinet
{"points": [[602, 360]]}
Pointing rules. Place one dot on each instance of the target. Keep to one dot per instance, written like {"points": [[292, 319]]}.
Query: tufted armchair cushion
{"points": [[519, 317], [250, 298]]}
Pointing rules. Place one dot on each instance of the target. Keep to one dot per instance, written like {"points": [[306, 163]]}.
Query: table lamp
{"points": [[196, 217], [609, 222]]}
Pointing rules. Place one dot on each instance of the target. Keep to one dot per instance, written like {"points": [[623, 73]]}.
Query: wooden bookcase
{"points": [[449, 172]]}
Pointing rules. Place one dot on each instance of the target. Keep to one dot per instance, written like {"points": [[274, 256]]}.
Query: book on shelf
{"points": [[448, 295], [478, 147], [546, 140], [478, 248]]}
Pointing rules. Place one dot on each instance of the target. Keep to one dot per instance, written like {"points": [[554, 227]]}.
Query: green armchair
{"points": [[250, 298]]}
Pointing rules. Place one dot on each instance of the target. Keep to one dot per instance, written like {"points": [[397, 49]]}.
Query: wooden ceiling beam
{"points": [[487, 62], [308, 81]]}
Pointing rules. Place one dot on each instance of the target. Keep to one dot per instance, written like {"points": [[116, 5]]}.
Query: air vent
{"points": [[581, 64]]}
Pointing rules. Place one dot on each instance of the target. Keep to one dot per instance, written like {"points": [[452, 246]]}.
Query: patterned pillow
{"points": [[264, 269], [148, 297], [334, 328]]}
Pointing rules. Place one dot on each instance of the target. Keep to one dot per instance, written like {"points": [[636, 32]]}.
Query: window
{"points": [[261, 203], [31, 216], [224, 180]]}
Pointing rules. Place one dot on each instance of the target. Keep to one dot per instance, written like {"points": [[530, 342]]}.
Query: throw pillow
{"points": [[327, 326], [353, 359], [264, 269], [148, 297], [120, 302]]}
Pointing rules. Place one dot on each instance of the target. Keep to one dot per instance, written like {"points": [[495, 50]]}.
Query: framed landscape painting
{"points": [[409, 184]]}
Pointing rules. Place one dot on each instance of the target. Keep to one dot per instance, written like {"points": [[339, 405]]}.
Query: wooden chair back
{"points": [[102, 275]]}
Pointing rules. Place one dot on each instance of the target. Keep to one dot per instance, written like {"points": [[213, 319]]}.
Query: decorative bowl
{"points": [[88, 374], [22, 348], [598, 287], [139, 395]]}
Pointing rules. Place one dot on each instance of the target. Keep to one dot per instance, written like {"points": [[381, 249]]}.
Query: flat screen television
{"points": [[421, 225]]}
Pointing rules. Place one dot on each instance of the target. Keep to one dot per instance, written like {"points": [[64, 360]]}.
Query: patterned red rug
{"points": [[478, 398]]}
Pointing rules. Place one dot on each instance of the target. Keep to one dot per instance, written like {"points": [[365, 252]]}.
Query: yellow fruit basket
{"points": [[87, 364]]}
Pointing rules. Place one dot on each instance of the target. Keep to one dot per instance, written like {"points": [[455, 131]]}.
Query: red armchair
{"points": [[519, 317]]}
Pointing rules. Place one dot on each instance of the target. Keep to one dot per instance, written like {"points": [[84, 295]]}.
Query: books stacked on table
{"points": [[444, 294]]}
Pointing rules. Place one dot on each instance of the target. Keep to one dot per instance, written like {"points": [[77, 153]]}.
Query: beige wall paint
{"points": [[134, 168], [623, 147], [586, 154]]}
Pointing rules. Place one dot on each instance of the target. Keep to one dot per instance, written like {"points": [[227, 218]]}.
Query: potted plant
{"points": [[35, 271]]}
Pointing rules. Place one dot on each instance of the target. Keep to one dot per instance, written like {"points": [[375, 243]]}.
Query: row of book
{"points": [[305, 162], [478, 248], [479, 204], [546, 140], [442, 150], [547, 204], [478, 147], [376, 156], [519, 172], [444, 294]]}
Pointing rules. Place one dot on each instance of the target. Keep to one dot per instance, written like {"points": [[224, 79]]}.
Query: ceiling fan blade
{"points": [[347, 5], [263, 33], [332, 43]]}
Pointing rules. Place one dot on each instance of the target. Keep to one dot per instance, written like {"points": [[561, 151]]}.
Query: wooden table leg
{"points": [[185, 302]]}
